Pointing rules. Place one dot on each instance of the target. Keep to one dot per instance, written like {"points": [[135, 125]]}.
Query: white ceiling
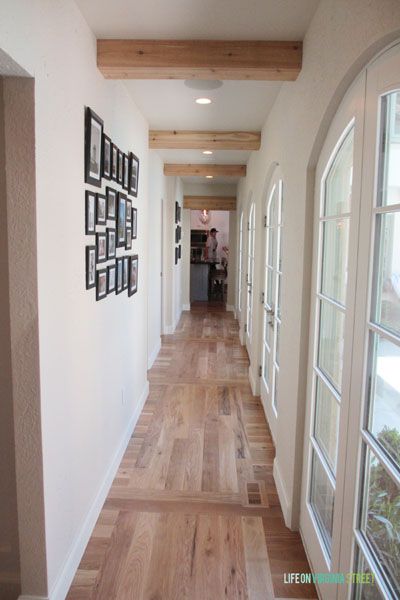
{"points": [[167, 104]]}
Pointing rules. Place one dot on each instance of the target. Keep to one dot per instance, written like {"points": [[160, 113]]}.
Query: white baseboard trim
{"points": [[153, 354], [283, 499], [24, 597], [230, 308], [66, 576], [241, 336], [185, 306]]}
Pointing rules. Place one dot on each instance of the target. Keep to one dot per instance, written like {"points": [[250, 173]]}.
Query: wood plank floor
{"points": [[193, 512]]}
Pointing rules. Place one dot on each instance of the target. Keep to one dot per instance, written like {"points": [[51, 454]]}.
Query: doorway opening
{"points": [[209, 257]]}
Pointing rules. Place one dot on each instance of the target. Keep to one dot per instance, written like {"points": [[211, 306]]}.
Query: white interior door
{"points": [[250, 274], [271, 297], [240, 270]]}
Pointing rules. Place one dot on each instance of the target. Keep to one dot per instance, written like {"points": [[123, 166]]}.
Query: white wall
{"points": [[172, 284], [342, 37], [93, 358], [157, 195]]}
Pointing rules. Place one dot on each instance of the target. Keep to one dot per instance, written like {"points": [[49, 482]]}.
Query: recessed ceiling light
{"points": [[209, 176], [207, 151], [203, 100]]}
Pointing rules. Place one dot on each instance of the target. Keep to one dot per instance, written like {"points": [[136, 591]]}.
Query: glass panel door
{"points": [[250, 274], [240, 281], [378, 517], [272, 301]]}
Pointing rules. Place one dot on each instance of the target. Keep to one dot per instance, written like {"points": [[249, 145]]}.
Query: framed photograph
{"points": [[179, 213], [90, 267], [125, 183], [101, 284], [114, 162], [90, 213], [176, 255], [101, 247], [111, 243], [176, 213], [106, 164], [176, 235], [179, 251], [133, 175], [179, 233], [111, 203], [93, 147], [111, 278], [101, 214], [128, 241], [121, 220], [128, 210], [119, 283], [125, 276], [134, 223], [120, 167], [133, 275]]}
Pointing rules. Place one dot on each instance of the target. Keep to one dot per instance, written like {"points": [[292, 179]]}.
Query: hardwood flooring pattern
{"points": [[193, 512]]}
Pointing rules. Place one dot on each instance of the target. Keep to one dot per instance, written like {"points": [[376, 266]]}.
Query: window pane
{"points": [[268, 330], [338, 183], [331, 341], [270, 287], [334, 259], [322, 500], [387, 272], [271, 247], [384, 412], [326, 423], [380, 520], [390, 157], [278, 306], [278, 332], [266, 366], [365, 591], [276, 378]]}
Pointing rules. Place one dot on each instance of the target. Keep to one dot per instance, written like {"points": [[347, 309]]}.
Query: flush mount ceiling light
{"points": [[207, 151], [203, 100], [203, 84]]}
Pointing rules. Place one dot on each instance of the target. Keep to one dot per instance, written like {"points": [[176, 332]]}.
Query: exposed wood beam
{"points": [[199, 59], [205, 140], [204, 170], [209, 202]]}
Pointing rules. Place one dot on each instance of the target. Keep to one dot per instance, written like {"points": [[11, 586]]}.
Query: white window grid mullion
{"points": [[324, 462], [334, 303], [335, 393], [377, 450], [379, 330], [373, 564], [338, 217], [390, 208]]}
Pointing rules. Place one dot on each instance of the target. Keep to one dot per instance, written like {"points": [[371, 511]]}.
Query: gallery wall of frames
{"points": [[178, 233], [110, 217]]}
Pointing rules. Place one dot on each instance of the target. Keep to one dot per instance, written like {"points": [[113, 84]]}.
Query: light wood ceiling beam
{"points": [[209, 202], [205, 140], [199, 59], [204, 170]]}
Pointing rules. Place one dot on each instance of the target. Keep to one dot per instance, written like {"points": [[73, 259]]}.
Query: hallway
{"points": [[193, 512]]}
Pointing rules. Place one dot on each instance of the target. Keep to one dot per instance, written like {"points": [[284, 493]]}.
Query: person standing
{"points": [[210, 251]]}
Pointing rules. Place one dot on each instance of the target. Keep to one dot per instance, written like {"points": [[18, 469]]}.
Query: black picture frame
{"points": [[176, 255], [90, 212], [179, 233], [114, 163], [111, 278], [179, 251], [93, 147], [120, 167], [101, 209], [106, 161], [176, 213], [128, 210], [125, 277], [133, 175], [125, 183], [121, 220], [101, 247], [90, 267], [176, 235], [119, 283], [134, 223], [111, 242], [179, 213], [133, 274], [128, 240], [101, 284], [112, 196]]}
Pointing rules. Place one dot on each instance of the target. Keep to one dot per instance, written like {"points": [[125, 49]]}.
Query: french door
{"points": [[250, 274], [350, 512], [240, 274], [271, 297]]}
